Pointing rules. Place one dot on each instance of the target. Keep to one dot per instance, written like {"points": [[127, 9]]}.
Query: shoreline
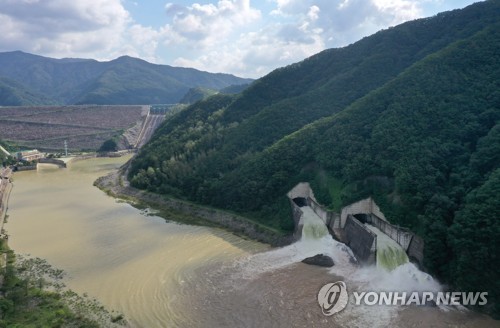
{"points": [[6, 186], [116, 185]]}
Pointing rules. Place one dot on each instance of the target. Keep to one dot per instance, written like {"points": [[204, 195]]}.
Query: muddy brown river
{"points": [[165, 274]]}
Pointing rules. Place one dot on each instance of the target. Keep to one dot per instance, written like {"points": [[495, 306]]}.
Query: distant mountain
{"points": [[409, 116], [27, 79], [13, 93]]}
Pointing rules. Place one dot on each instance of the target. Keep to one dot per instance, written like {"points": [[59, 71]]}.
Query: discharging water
{"points": [[390, 254], [163, 274]]}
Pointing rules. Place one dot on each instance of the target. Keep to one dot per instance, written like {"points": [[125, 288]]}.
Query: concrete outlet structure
{"points": [[348, 226]]}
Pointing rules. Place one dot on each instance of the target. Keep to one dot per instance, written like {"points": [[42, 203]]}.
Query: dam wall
{"points": [[297, 216]]}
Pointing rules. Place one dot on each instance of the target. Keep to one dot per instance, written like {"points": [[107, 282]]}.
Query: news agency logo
{"points": [[333, 298]]}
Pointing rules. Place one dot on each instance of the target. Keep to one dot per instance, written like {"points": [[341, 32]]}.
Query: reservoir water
{"points": [[131, 262], [165, 274]]}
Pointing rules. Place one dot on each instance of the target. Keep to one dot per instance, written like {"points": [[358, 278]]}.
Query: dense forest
{"points": [[409, 116], [196, 94]]}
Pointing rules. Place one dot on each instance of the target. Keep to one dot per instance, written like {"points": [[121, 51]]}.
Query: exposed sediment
{"points": [[116, 185]]}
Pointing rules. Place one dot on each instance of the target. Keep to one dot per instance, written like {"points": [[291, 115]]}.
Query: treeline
{"points": [[409, 116]]}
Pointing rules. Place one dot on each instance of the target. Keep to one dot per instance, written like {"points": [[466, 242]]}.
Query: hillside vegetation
{"points": [[196, 94], [27, 79], [409, 115]]}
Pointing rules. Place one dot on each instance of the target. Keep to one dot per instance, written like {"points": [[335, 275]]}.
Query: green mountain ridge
{"points": [[409, 116], [13, 93], [123, 81], [196, 94]]}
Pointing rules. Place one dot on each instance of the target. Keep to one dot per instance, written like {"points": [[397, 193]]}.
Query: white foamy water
{"points": [[313, 227], [284, 256], [274, 272], [315, 240], [390, 254]]}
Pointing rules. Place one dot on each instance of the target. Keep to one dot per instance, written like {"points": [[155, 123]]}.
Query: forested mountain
{"points": [[196, 94], [27, 79], [13, 93], [409, 115]]}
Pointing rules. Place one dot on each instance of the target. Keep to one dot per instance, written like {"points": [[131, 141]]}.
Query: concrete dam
{"points": [[362, 226]]}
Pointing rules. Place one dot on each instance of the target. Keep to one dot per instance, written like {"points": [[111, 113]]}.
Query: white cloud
{"points": [[400, 10], [229, 45], [254, 54], [205, 26], [313, 13], [62, 28], [142, 42], [232, 36], [344, 21]]}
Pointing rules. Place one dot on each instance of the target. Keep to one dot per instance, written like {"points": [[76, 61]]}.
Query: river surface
{"points": [[165, 274]]}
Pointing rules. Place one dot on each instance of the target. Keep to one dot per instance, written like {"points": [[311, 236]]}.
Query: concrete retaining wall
{"points": [[416, 250], [364, 206], [362, 241], [334, 222], [54, 161], [303, 190], [321, 211], [297, 215], [25, 168], [399, 235]]}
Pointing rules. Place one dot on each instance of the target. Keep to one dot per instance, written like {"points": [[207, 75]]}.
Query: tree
{"points": [[108, 145]]}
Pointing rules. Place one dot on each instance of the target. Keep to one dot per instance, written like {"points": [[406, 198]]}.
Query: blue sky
{"points": [[244, 37]]}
